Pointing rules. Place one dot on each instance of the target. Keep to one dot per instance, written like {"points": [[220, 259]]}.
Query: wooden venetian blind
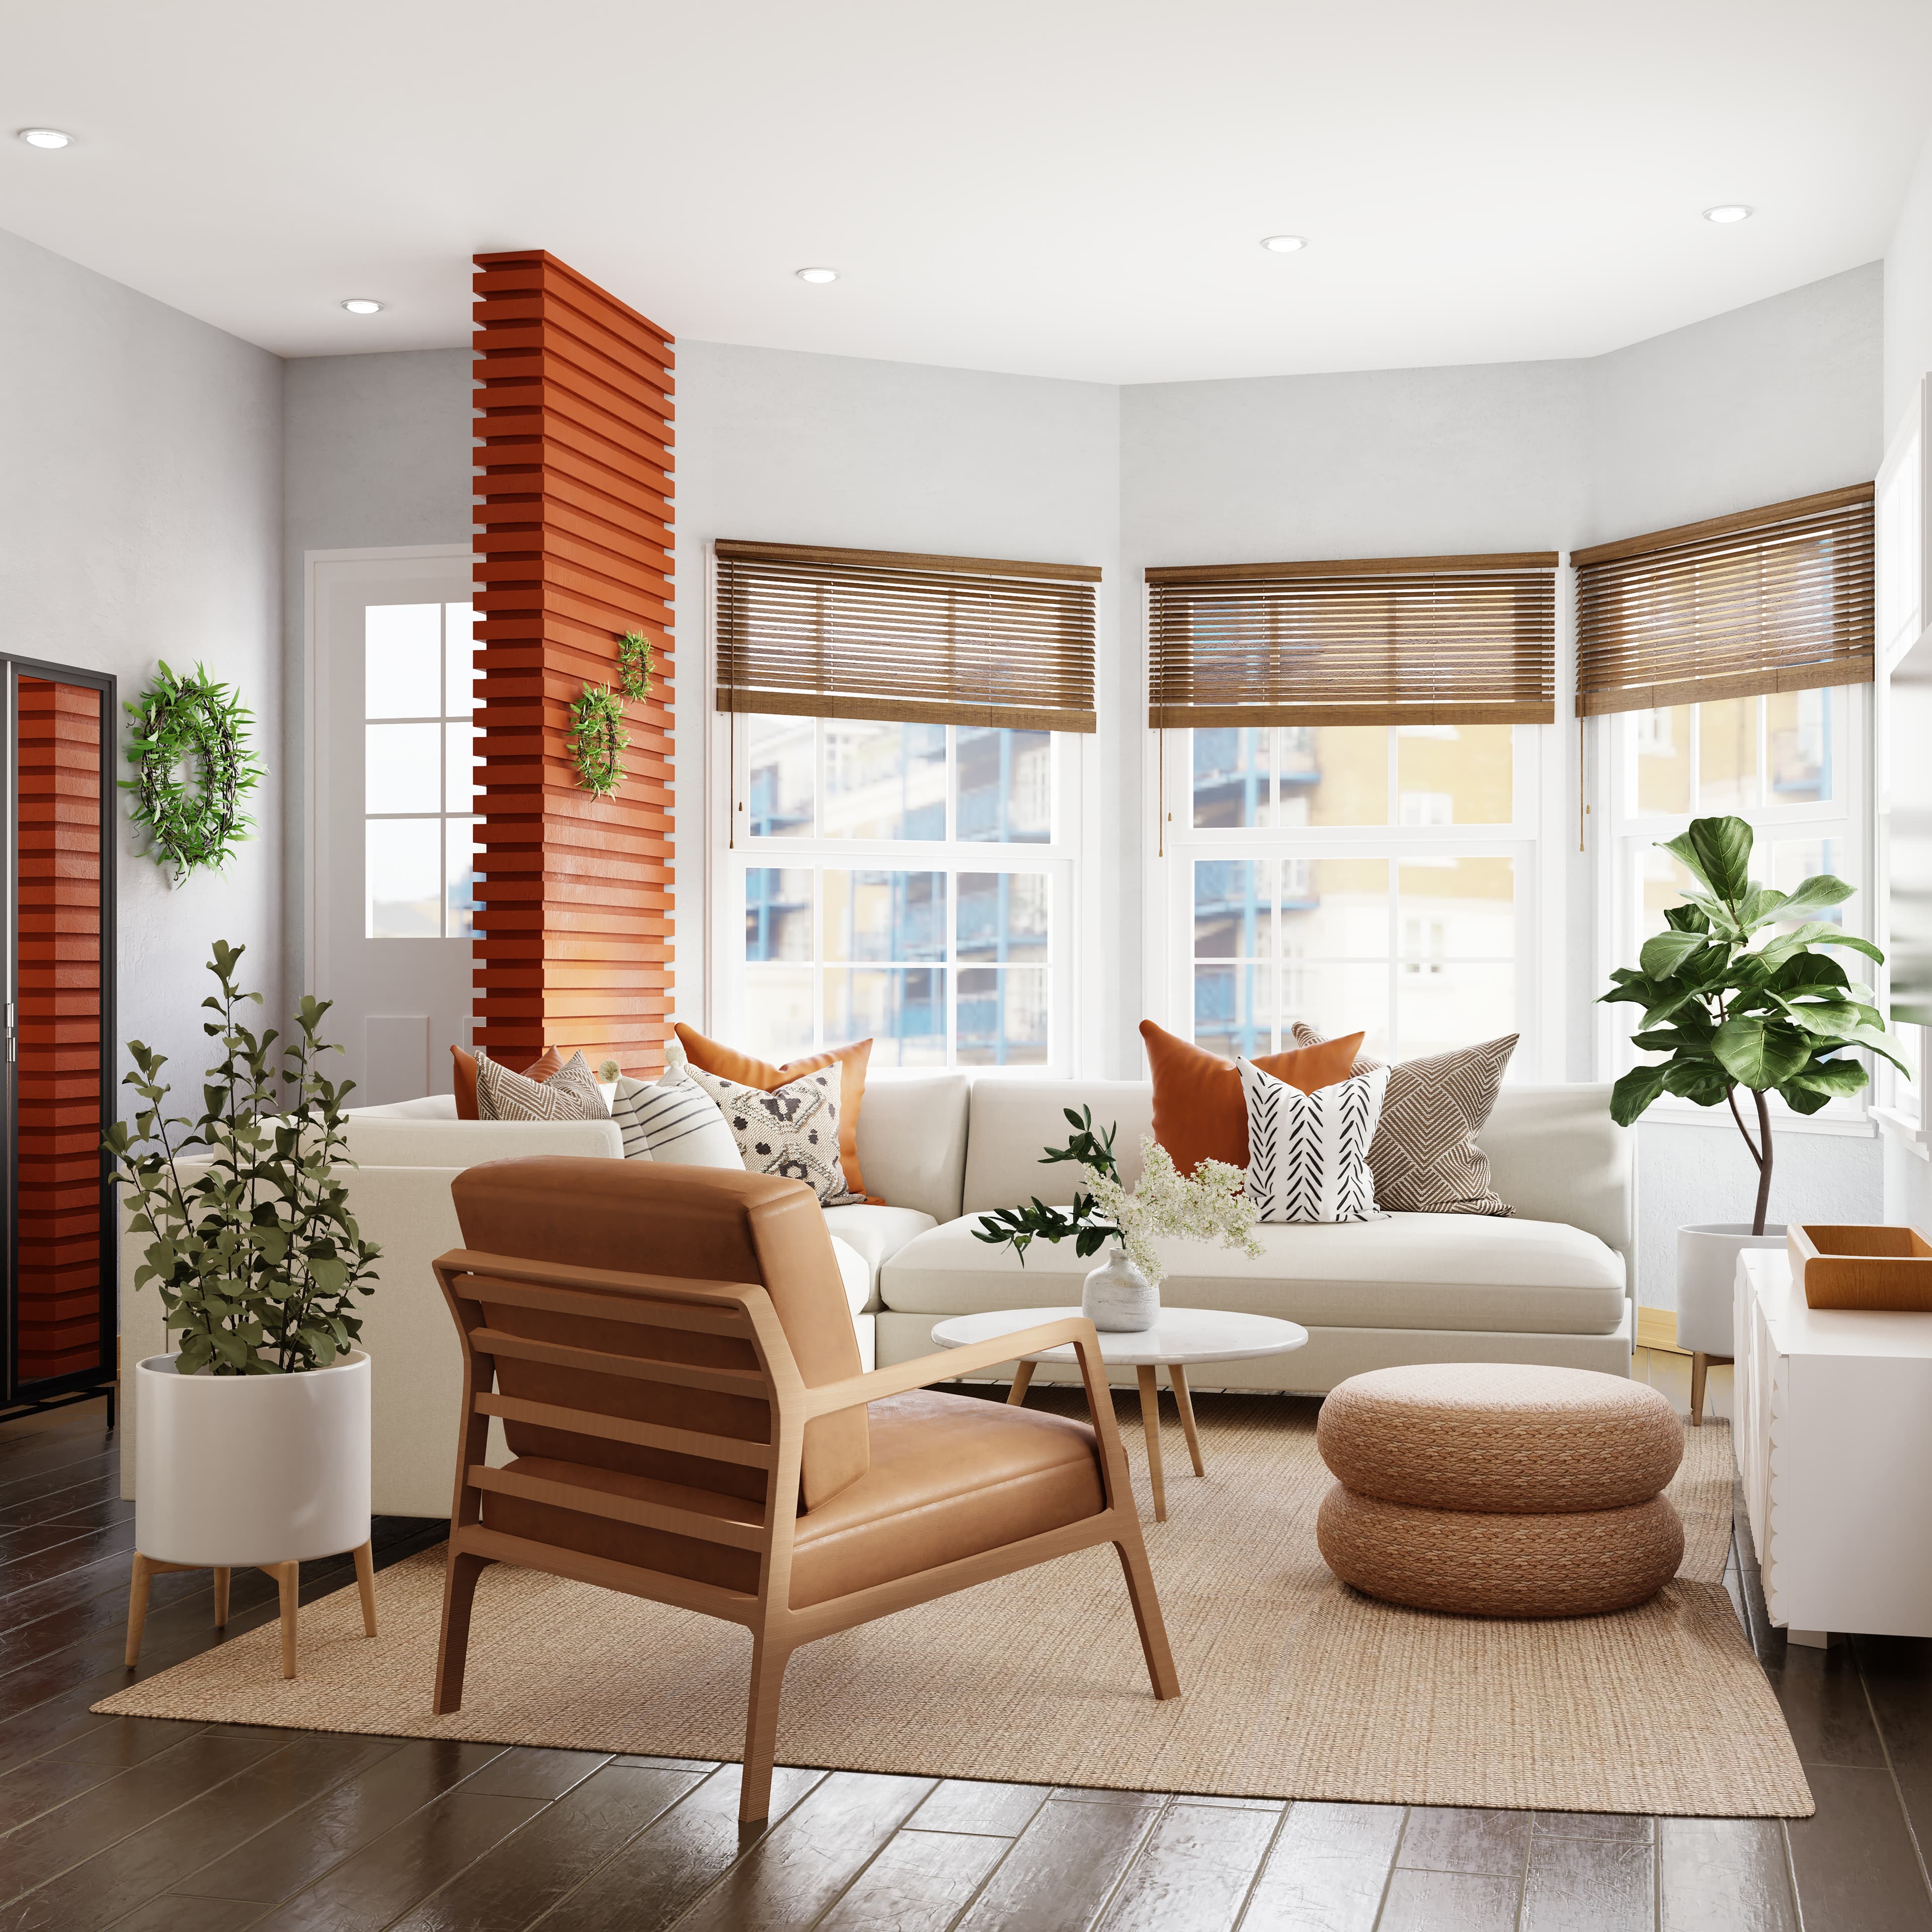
{"points": [[1777, 599], [1387, 640], [914, 639]]}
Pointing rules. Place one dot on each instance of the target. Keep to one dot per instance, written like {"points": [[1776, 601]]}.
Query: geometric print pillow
{"points": [[1308, 1153], [1425, 1155], [792, 1130], [571, 1095]]}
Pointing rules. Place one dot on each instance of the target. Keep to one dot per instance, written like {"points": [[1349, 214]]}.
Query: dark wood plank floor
{"points": [[154, 1826]]}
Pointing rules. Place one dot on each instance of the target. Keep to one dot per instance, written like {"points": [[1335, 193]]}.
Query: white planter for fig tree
{"points": [[1117, 1298], [1707, 1273], [231, 1472]]}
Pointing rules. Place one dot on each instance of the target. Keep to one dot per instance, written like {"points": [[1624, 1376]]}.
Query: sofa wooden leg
{"points": [[1700, 1363], [1146, 1615], [459, 1593], [761, 1729]]}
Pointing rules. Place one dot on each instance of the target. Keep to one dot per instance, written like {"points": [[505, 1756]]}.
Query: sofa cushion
{"points": [[856, 1272], [1406, 1271], [1015, 1121], [912, 1141], [392, 1140], [876, 1233]]}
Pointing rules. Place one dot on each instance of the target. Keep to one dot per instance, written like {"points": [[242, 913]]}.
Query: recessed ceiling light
{"points": [[818, 274], [1284, 244], [46, 137], [362, 305], [1729, 211]]}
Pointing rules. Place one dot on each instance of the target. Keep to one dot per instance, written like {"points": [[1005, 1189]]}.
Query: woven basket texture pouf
{"points": [[1501, 1489]]}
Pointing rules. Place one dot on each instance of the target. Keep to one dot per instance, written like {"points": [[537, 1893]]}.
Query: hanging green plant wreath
{"points": [[598, 739], [634, 663], [193, 767]]}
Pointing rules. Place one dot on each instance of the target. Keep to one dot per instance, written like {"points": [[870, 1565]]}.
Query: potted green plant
{"points": [[252, 1440], [1738, 997]]}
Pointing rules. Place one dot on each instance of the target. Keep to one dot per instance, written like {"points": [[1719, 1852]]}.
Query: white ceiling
{"points": [[1057, 188]]}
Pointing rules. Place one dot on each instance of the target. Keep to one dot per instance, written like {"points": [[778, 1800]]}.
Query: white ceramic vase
{"points": [[1117, 1298], [234, 1471], [1707, 1270]]}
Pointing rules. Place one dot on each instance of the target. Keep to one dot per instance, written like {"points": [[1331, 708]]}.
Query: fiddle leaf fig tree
{"points": [[1735, 993]]}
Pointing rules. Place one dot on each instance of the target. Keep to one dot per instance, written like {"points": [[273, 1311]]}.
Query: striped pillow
{"points": [[673, 1120], [570, 1095], [1308, 1153]]}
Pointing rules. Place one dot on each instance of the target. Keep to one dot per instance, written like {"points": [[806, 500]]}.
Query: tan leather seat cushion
{"points": [[1586, 1563], [1511, 1437], [951, 1476]]}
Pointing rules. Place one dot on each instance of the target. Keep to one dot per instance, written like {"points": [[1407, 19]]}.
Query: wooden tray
{"points": [[1862, 1267]]}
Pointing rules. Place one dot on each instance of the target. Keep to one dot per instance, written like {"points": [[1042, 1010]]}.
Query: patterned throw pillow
{"points": [[791, 1130], [673, 1120], [1308, 1153], [571, 1095], [1426, 1158]]}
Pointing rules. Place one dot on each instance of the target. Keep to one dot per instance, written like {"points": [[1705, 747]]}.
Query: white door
{"points": [[392, 903]]}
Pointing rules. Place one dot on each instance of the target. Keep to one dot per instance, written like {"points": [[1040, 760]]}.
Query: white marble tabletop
{"points": [[1180, 1335]]}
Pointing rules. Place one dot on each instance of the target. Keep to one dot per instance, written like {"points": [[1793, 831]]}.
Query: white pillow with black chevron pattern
{"points": [[1308, 1153], [673, 1120], [1426, 1158], [792, 1130], [571, 1094]]}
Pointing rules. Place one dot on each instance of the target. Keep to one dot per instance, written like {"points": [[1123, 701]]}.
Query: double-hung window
{"points": [[1728, 661], [1349, 760], [903, 737]]}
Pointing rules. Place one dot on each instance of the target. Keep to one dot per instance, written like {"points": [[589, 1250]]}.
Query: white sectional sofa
{"points": [[1554, 1282]]}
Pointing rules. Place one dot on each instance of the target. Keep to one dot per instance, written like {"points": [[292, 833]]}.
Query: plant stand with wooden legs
{"points": [[1700, 1367], [288, 1579]]}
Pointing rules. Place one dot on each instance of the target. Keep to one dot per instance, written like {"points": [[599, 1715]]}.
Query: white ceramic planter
{"points": [[1117, 1298], [234, 1470], [1707, 1271]]}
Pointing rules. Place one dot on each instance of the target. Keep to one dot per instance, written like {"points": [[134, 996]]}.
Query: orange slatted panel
{"points": [[58, 1085], [574, 436]]}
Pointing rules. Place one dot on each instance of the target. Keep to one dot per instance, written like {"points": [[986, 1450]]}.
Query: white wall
{"points": [[141, 497], [376, 453], [1908, 293]]}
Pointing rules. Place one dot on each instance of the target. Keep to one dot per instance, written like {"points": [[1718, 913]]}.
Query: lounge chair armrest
{"points": [[949, 1364]]}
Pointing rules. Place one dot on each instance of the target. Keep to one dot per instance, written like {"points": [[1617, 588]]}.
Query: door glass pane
{"points": [[1001, 916], [1334, 775], [1001, 1020], [1727, 754], [459, 658], [1797, 746], [1005, 785], [1234, 908], [403, 768], [895, 917], [1660, 748], [460, 877], [777, 1011], [781, 759], [403, 661], [1234, 776], [777, 916], [459, 767], [403, 877], [1454, 774], [901, 1009], [884, 780]]}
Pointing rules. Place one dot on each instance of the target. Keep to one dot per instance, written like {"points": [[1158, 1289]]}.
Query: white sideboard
{"points": [[1834, 1438]]}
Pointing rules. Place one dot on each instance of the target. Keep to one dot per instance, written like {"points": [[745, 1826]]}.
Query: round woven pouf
{"points": [[1501, 1489]]}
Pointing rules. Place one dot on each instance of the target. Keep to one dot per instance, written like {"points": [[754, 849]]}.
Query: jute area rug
{"points": [[1293, 1686]]}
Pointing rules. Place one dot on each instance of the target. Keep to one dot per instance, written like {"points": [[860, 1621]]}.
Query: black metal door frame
{"points": [[78, 1383]]}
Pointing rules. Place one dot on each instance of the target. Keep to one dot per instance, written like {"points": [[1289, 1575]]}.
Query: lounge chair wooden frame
{"points": [[744, 1311]]}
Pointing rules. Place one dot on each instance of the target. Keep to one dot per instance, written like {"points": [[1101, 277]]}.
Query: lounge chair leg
{"points": [[459, 1593], [761, 1729], [1147, 1615]]}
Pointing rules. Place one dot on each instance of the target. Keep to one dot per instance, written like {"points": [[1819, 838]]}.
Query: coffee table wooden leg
{"points": [[1150, 1426], [1022, 1381], [1184, 1402]]}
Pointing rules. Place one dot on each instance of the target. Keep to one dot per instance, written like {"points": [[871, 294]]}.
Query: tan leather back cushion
{"points": [[699, 1224]]}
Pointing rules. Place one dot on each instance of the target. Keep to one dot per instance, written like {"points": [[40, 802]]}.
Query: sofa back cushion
{"points": [[1555, 1155], [692, 1223], [1014, 1121], [912, 1142]]}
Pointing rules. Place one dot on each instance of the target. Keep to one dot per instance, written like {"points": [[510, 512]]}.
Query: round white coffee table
{"points": [[1181, 1339]]}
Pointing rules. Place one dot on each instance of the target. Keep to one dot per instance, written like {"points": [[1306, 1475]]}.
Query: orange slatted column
{"points": [[574, 946], [59, 1300]]}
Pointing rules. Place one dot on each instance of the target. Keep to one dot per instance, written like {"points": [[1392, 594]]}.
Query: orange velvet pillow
{"points": [[1199, 1112], [727, 1063], [464, 1079]]}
